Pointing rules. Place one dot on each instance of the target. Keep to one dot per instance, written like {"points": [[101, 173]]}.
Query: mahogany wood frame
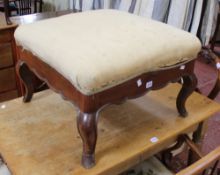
{"points": [[89, 106]]}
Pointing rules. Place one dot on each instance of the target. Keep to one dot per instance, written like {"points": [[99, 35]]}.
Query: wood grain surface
{"points": [[41, 137]]}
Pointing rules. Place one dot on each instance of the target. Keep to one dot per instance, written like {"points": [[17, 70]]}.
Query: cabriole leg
{"points": [[87, 127], [27, 77], [189, 85]]}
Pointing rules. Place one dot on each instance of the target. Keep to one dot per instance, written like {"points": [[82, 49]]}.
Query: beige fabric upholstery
{"points": [[96, 50]]}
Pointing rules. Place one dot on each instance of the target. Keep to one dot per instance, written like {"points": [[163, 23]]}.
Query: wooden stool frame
{"points": [[89, 106]]}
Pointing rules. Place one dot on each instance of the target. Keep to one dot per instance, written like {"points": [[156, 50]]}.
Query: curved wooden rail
{"points": [[212, 58], [205, 162]]}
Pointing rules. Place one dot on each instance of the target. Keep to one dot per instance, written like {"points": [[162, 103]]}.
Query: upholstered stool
{"points": [[102, 57]]}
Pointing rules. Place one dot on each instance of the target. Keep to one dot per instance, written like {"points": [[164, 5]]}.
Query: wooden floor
{"points": [[41, 137]]}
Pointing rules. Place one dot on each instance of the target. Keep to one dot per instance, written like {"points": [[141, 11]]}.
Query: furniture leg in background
{"points": [[7, 13]]}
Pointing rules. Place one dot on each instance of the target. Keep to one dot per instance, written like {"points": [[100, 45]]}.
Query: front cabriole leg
{"points": [[27, 78], [87, 127], [189, 85]]}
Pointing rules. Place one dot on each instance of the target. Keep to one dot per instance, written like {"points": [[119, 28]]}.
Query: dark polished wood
{"points": [[215, 91], [25, 19], [26, 76], [167, 156], [7, 13], [211, 58], [189, 85], [89, 105], [87, 127]]}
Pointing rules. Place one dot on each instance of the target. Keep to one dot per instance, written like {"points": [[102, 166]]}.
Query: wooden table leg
{"points": [[196, 138], [167, 155]]}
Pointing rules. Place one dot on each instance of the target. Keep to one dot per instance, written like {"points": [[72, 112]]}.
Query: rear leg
{"points": [[189, 85]]}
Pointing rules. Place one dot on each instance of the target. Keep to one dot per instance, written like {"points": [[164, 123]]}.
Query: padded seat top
{"points": [[96, 50]]}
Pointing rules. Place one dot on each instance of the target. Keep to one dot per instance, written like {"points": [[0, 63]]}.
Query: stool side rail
{"points": [[89, 106]]}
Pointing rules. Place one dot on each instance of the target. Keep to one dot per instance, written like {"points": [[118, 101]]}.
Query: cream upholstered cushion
{"points": [[96, 50]]}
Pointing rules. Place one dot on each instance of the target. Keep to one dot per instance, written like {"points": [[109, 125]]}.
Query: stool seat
{"points": [[97, 50]]}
